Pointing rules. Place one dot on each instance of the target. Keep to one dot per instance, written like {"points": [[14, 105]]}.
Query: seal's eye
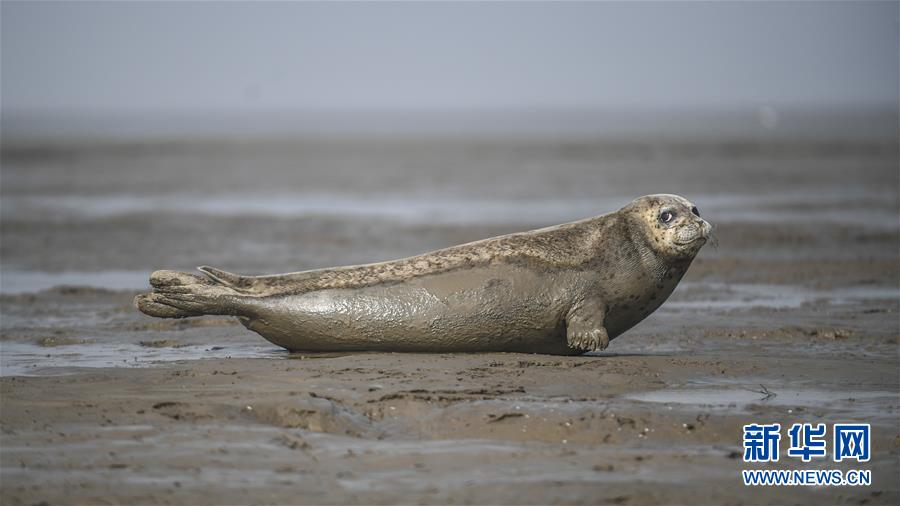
{"points": [[695, 211], [666, 216]]}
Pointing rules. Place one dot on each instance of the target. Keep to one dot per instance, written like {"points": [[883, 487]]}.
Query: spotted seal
{"points": [[565, 289]]}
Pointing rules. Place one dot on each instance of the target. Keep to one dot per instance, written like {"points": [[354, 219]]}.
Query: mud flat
{"points": [[794, 318]]}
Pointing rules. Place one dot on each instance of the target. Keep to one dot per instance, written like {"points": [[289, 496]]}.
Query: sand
{"points": [[794, 318]]}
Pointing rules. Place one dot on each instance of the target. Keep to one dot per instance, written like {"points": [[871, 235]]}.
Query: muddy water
{"points": [[794, 317]]}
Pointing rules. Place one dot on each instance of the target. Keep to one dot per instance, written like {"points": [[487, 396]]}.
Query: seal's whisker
{"points": [[713, 238]]}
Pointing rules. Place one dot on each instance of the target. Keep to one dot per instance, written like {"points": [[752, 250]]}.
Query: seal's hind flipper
{"points": [[154, 304], [182, 301], [181, 295], [170, 279], [224, 277]]}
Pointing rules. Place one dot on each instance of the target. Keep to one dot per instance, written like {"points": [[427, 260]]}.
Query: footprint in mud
{"points": [[163, 343], [492, 418], [54, 341], [183, 411], [293, 441], [315, 414]]}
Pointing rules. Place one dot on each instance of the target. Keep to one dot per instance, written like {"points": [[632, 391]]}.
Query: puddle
{"points": [[868, 209], [869, 404], [400, 208], [205, 455], [702, 296], [26, 359], [15, 282]]}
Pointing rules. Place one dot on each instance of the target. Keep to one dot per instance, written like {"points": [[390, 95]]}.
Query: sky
{"points": [[248, 56]]}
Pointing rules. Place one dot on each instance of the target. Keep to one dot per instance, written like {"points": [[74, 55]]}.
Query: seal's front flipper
{"points": [[584, 326]]}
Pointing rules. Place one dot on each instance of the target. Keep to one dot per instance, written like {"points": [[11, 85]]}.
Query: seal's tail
{"points": [[181, 295]]}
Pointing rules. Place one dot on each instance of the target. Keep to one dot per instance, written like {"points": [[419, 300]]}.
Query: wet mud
{"points": [[794, 318]]}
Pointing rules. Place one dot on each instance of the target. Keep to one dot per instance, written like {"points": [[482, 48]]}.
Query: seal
{"points": [[566, 289]]}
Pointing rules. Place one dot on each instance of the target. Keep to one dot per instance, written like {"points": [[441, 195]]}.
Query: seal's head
{"points": [[669, 224]]}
